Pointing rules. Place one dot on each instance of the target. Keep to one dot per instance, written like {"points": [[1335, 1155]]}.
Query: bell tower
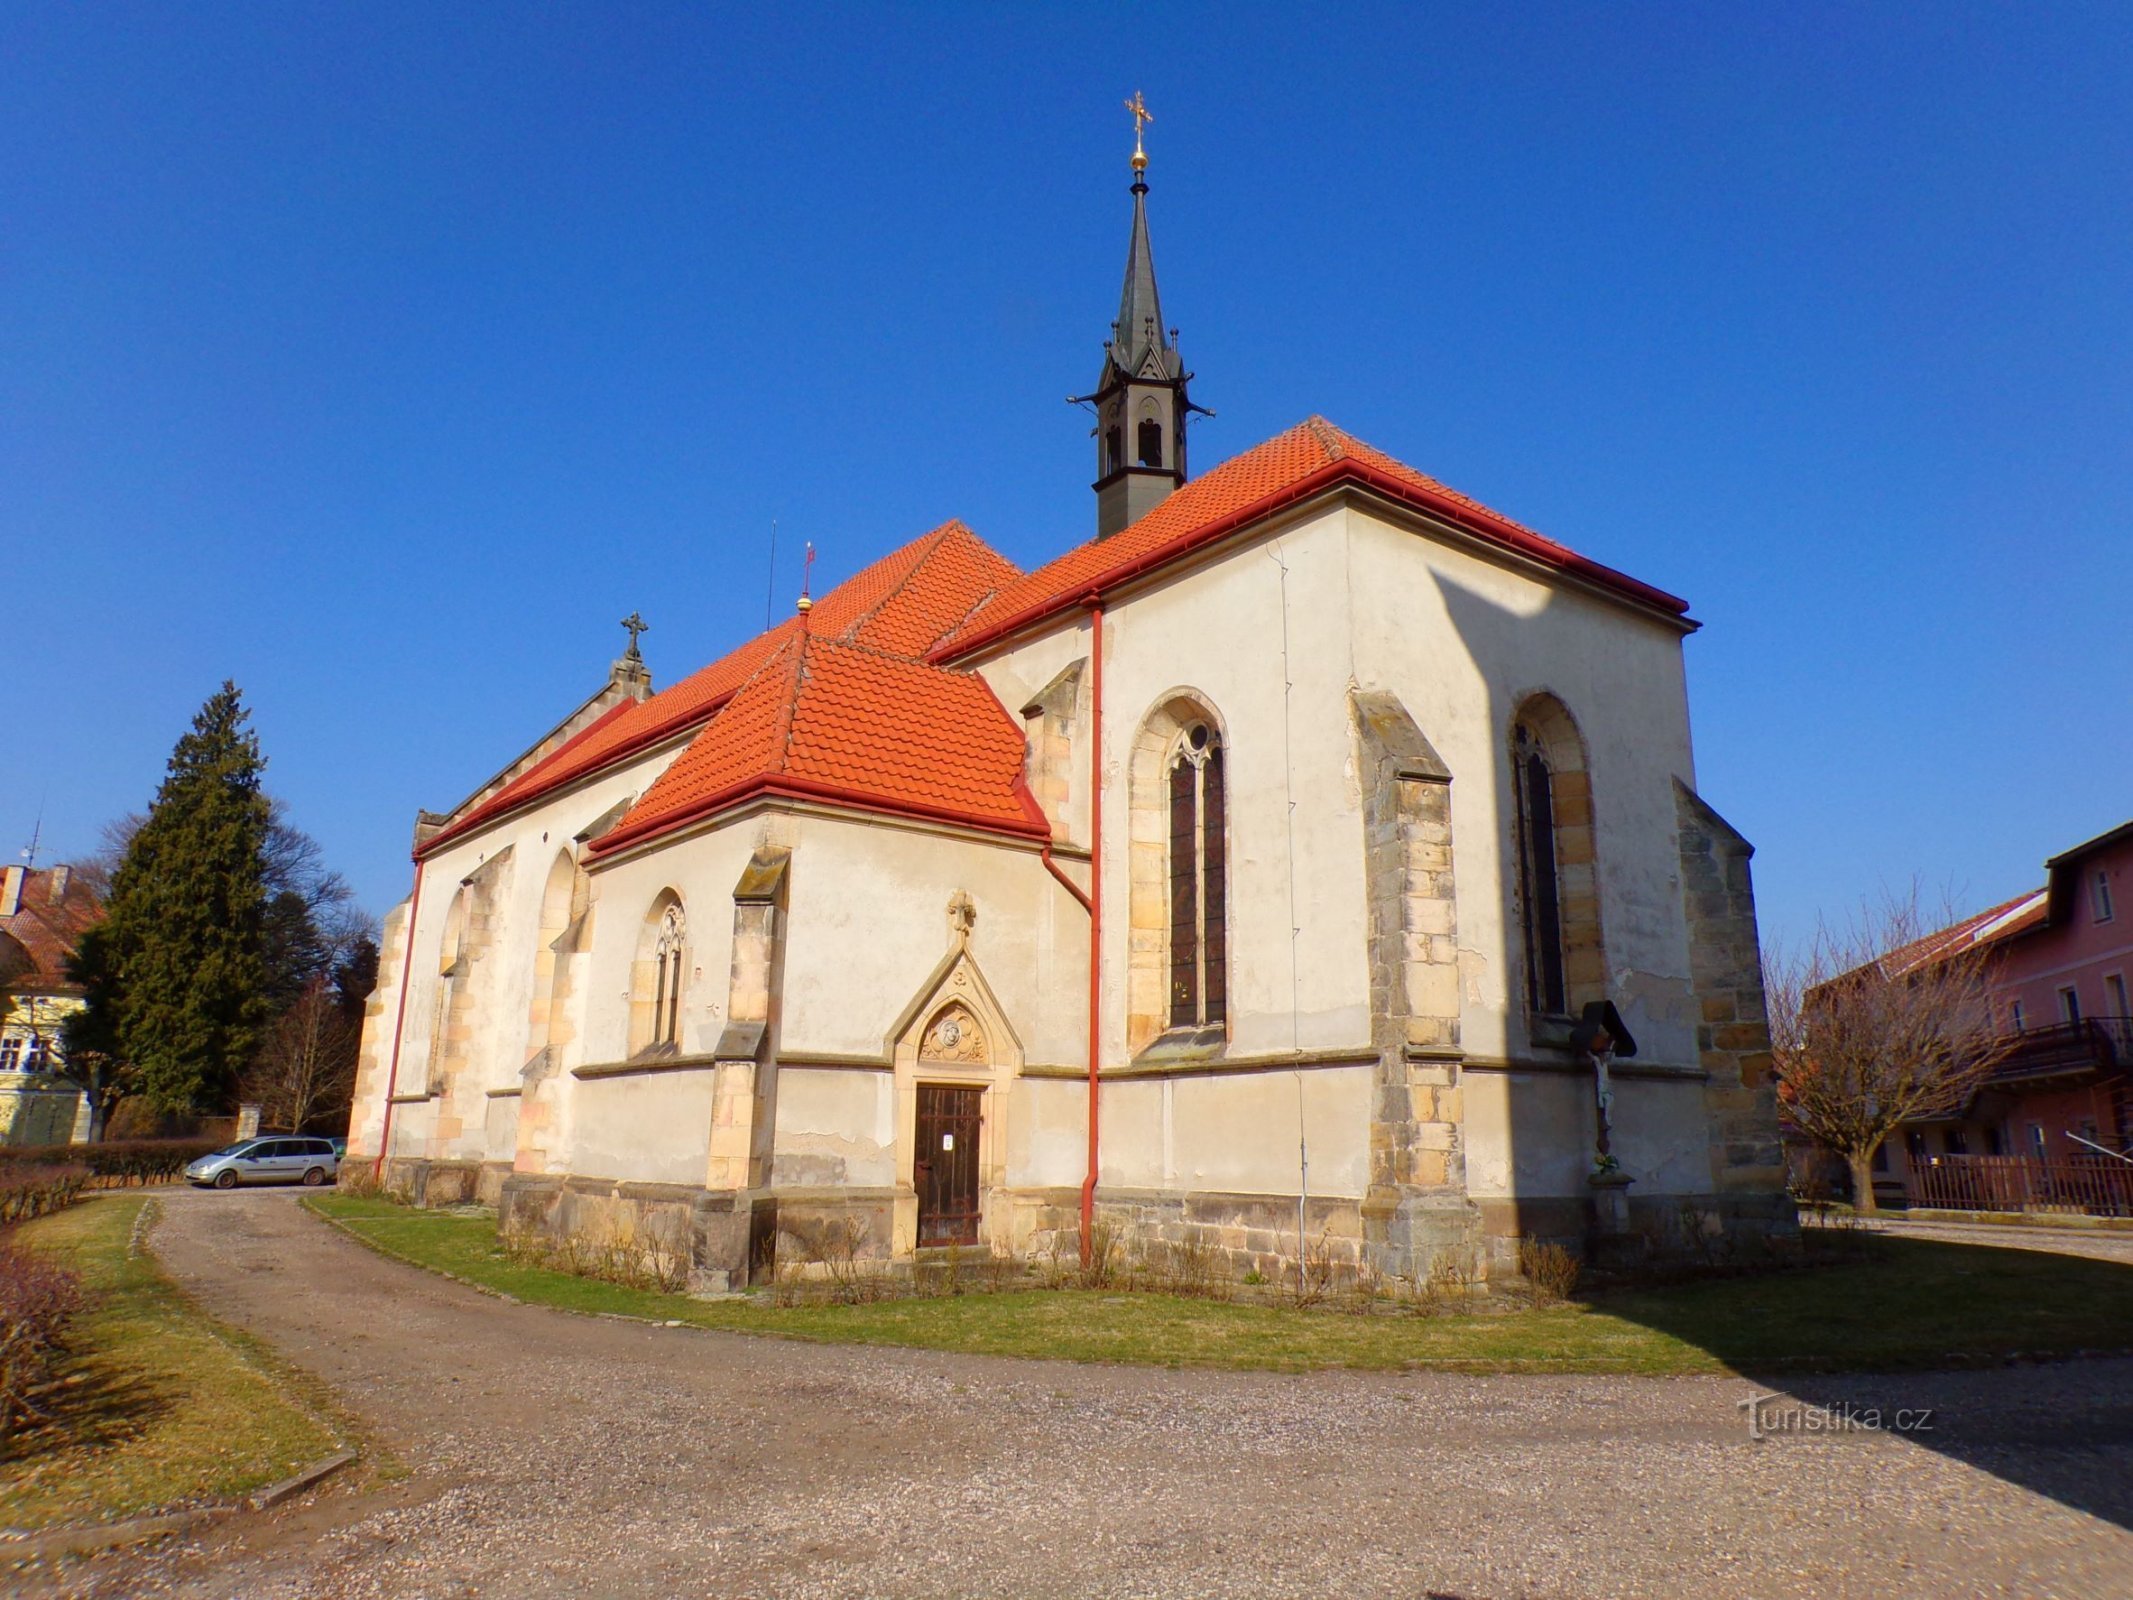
{"points": [[1140, 400]]}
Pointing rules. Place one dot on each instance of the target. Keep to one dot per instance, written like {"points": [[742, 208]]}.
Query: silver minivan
{"points": [[273, 1159]]}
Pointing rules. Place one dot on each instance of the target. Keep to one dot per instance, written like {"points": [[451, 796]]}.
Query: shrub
{"points": [[1549, 1268], [37, 1300], [30, 1191], [117, 1164]]}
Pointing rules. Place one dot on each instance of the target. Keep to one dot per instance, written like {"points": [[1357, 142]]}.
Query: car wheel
{"points": [[225, 1179], [314, 1176]]}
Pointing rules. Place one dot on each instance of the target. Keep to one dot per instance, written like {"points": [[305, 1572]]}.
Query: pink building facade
{"points": [[2063, 974]]}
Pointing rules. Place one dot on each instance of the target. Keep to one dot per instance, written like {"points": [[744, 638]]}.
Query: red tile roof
{"points": [[904, 602], [1990, 926], [826, 720], [1311, 456], [846, 706], [36, 941]]}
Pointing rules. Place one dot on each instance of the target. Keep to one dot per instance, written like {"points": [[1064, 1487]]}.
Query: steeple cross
{"points": [[635, 625], [1141, 116]]}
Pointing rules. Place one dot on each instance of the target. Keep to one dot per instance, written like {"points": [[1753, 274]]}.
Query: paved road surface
{"points": [[565, 1456]]}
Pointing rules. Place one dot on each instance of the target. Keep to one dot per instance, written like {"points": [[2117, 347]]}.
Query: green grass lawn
{"points": [[164, 1407], [1889, 1303]]}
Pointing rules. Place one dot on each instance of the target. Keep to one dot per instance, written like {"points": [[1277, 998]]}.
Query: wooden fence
{"points": [[2098, 1185]]}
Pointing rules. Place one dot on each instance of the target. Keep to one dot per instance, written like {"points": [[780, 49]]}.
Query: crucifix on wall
{"points": [[1599, 1038]]}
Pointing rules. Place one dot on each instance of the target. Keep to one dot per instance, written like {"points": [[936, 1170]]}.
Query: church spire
{"points": [[1140, 399]]}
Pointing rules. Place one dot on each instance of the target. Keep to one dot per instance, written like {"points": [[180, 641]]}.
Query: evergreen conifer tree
{"points": [[186, 917]]}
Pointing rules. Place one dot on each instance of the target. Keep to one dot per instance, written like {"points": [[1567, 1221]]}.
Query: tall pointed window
{"points": [[1151, 442], [1539, 880], [666, 993], [1199, 899]]}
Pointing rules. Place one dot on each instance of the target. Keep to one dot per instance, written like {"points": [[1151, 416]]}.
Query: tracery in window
{"points": [[1199, 900]]}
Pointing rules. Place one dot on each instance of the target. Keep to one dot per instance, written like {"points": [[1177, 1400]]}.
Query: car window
{"points": [[320, 1147], [281, 1147], [251, 1149]]}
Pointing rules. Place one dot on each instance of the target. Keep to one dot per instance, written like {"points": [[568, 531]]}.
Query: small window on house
{"points": [[1995, 1141], [1151, 442], [10, 1055], [2114, 995], [2070, 1004], [1539, 885], [2039, 1146], [1199, 896], [2014, 1015], [666, 994], [1956, 1143], [2102, 897], [1914, 1145]]}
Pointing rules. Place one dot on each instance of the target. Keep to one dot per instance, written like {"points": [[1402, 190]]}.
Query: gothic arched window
{"points": [[1151, 442], [1199, 900], [1114, 449], [666, 994], [1539, 882]]}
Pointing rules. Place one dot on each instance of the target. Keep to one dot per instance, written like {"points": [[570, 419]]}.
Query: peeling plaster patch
{"points": [[1662, 998], [1473, 971]]}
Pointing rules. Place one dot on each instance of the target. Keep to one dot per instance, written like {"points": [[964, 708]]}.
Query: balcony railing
{"points": [[2099, 1185], [2102, 1043]]}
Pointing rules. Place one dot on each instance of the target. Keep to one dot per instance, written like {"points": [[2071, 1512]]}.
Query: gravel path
{"points": [[2098, 1244], [555, 1455]]}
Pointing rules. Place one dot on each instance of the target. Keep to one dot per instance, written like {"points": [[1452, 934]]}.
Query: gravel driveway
{"points": [[555, 1455]]}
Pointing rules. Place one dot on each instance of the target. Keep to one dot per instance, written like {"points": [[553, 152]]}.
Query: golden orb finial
{"points": [[1141, 116]]}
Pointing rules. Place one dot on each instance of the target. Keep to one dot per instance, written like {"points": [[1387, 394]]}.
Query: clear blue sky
{"points": [[381, 357]]}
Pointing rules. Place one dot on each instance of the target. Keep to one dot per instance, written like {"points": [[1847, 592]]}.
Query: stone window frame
{"points": [[1162, 734], [659, 977], [1542, 718]]}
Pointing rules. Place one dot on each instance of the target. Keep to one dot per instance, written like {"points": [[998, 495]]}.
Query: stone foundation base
{"points": [[432, 1183], [716, 1234], [729, 1240]]}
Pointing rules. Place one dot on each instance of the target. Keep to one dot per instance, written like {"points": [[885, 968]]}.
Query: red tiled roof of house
{"points": [[904, 602], [1994, 923], [1311, 456], [37, 939], [842, 723]]}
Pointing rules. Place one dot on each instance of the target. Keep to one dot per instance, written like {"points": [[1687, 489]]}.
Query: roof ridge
{"points": [[788, 709], [1330, 437], [932, 541]]}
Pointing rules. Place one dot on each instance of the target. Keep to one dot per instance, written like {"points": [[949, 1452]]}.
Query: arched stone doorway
{"points": [[956, 1065]]}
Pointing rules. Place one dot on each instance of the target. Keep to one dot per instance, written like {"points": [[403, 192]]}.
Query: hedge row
{"points": [[118, 1163], [37, 1300], [27, 1191]]}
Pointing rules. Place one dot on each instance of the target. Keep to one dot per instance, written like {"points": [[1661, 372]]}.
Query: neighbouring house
{"points": [[1236, 877], [2061, 972], [42, 914]]}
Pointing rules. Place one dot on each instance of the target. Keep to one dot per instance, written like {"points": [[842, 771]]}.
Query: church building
{"points": [[1311, 861]]}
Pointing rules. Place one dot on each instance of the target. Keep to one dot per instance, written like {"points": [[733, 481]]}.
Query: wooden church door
{"points": [[945, 1164]]}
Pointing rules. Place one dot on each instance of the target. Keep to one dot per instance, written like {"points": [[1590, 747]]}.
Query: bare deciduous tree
{"points": [[1877, 1024], [306, 1068]]}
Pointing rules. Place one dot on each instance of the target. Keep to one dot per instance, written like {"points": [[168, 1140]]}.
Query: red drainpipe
{"points": [[392, 1075], [1096, 907]]}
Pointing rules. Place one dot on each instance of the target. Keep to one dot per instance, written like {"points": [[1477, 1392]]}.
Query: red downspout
{"points": [[1096, 908], [392, 1075]]}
